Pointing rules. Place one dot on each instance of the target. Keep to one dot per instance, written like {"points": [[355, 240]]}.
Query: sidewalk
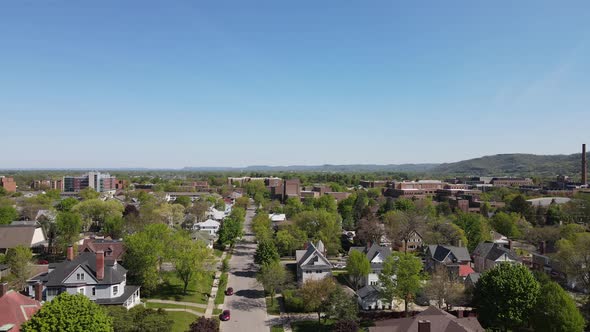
{"points": [[188, 304], [214, 289]]}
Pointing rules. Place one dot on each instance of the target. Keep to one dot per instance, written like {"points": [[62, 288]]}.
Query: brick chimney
{"points": [[39, 291], [542, 248], [3, 288], [423, 326], [460, 314], [510, 244], [100, 265], [70, 253], [584, 165]]}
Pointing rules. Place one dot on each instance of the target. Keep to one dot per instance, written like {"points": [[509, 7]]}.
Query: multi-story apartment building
{"points": [[8, 184], [100, 182]]}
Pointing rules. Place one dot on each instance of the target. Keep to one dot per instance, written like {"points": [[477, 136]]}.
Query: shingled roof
{"points": [[16, 309], [376, 254], [113, 249], [440, 321], [493, 251], [113, 273], [440, 252]]}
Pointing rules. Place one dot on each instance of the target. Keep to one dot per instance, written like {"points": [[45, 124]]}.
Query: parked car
{"points": [[224, 315], [229, 291]]}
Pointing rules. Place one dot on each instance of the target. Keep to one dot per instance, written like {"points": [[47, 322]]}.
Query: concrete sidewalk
{"points": [[215, 288]]}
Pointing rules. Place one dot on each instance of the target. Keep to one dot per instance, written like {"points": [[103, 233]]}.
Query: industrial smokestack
{"points": [[584, 165]]}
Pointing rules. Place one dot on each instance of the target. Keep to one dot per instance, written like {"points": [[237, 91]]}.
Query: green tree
{"points": [[242, 202], [505, 296], [19, 259], [114, 227], [574, 257], [69, 313], [199, 210], [191, 259], [476, 228], [444, 232], [521, 206], [66, 205], [357, 267], [404, 204], [88, 194], [554, 214], [266, 253], [341, 306], [262, 226], [399, 225], [8, 214], [293, 206], [69, 227], [321, 225], [203, 324], [401, 277], [555, 310], [290, 239], [444, 288], [231, 227], [327, 203], [272, 277], [96, 211], [183, 200], [506, 224], [345, 208], [570, 231], [316, 294]]}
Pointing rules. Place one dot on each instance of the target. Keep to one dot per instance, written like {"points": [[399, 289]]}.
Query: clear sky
{"points": [[235, 83]]}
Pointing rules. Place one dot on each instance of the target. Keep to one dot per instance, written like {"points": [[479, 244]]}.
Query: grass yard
{"points": [[151, 305], [218, 252], [277, 328], [171, 289], [312, 326], [182, 320], [275, 308], [217, 312]]}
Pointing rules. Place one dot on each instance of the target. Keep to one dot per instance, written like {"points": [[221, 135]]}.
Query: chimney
{"points": [[100, 265], [3, 288], [39, 291], [542, 247], [423, 326], [460, 314], [70, 253], [584, 165], [510, 244]]}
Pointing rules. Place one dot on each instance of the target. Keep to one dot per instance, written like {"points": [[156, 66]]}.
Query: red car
{"points": [[229, 291], [224, 315]]}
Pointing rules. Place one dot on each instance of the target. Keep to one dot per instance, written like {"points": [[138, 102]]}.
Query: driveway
{"points": [[247, 305]]}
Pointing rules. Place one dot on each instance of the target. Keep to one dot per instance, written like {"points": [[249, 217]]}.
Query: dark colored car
{"points": [[43, 261], [229, 291], [224, 315]]}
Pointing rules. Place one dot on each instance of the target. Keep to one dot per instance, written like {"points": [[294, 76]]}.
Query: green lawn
{"points": [[152, 305], [275, 308], [277, 328], [217, 312], [312, 326], [220, 297], [218, 252], [182, 320], [171, 289]]}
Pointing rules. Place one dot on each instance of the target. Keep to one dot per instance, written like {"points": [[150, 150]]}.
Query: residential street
{"points": [[247, 305]]}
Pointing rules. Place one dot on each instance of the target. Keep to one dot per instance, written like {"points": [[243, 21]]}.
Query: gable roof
{"points": [[369, 293], [113, 273], [493, 251], [465, 270], [14, 235], [372, 252], [440, 321], [115, 247], [440, 252], [311, 255], [209, 222], [17, 309]]}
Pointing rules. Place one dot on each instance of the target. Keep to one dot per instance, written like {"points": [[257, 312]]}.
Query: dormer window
{"points": [[79, 276], [115, 290]]}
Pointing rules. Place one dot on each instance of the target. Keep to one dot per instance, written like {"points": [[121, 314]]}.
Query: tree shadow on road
{"points": [[250, 293]]}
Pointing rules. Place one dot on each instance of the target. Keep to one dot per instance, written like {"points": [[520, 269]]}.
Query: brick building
{"points": [[8, 184]]}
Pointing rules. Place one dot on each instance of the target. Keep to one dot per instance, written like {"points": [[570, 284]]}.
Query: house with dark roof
{"points": [[30, 236], [94, 275], [15, 309], [113, 249], [412, 243], [312, 263], [429, 320], [487, 255], [371, 298], [455, 259], [376, 255]]}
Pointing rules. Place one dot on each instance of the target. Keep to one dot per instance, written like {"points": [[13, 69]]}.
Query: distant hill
{"points": [[413, 168], [514, 165]]}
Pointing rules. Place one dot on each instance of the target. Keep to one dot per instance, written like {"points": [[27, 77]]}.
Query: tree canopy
{"points": [[357, 267], [555, 310], [401, 277]]}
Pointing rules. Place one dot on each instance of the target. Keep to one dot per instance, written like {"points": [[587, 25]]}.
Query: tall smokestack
{"points": [[584, 165]]}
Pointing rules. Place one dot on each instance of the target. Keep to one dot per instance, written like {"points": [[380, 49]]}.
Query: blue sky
{"points": [[235, 83]]}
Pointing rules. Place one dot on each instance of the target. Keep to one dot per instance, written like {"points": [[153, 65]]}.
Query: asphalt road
{"points": [[247, 305]]}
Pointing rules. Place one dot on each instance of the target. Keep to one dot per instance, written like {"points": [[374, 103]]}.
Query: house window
{"points": [[81, 291], [79, 276], [52, 292], [115, 290], [93, 291], [318, 271]]}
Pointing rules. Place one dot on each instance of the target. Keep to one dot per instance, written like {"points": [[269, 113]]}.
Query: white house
{"points": [[368, 295], [30, 235], [102, 281], [312, 264], [211, 226], [216, 214]]}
